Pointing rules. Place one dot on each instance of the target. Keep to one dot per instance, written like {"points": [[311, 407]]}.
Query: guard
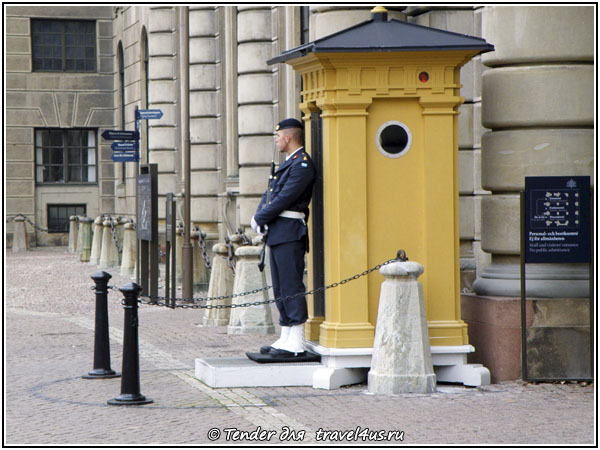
{"points": [[282, 214]]}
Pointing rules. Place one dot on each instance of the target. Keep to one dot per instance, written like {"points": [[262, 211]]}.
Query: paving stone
{"points": [[49, 336]]}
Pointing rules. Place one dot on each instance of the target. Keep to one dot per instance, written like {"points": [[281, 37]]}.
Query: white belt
{"points": [[292, 215]]}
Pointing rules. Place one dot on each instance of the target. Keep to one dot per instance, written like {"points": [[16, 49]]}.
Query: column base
{"points": [[543, 280], [312, 328], [401, 384]]}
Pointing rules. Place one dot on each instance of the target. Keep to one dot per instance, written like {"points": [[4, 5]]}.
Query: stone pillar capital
{"points": [[410, 269]]}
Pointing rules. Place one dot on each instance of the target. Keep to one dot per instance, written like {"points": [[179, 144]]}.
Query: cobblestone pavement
{"points": [[49, 333]]}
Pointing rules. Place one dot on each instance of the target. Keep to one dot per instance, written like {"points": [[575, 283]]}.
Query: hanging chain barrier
{"points": [[245, 239], [195, 302], [28, 220], [113, 232], [202, 245], [230, 256]]}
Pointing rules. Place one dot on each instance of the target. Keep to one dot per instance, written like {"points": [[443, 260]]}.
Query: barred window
{"points": [[65, 156], [58, 216], [63, 45]]}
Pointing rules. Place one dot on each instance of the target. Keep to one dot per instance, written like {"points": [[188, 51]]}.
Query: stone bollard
{"points": [[249, 319], [79, 244], [120, 233], [221, 283], [129, 250], [73, 228], [85, 232], [401, 360], [20, 241], [108, 254], [96, 241], [201, 272]]}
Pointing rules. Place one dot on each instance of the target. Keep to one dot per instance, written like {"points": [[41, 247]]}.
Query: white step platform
{"points": [[338, 367], [243, 372]]}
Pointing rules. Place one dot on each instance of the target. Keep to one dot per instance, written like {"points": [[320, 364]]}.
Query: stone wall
{"points": [[54, 100]]}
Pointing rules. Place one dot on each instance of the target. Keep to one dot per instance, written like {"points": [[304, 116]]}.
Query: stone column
{"points": [[205, 124], [129, 250], [256, 112], [85, 231], [73, 228], [164, 143], [97, 241], [401, 352], [465, 20], [20, 242], [250, 319], [538, 101], [221, 283]]}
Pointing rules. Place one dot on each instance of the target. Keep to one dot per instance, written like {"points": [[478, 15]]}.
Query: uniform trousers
{"points": [[287, 272]]}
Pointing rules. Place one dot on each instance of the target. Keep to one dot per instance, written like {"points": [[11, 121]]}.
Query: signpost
{"points": [[170, 250], [123, 135], [126, 149], [556, 227], [125, 157], [147, 227], [145, 114]]}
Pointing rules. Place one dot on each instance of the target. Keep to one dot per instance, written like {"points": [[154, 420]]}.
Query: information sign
{"points": [[557, 220], [145, 114], [123, 135], [144, 206], [125, 156], [125, 146]]}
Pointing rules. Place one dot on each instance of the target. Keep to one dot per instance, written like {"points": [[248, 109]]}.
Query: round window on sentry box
{"points": [[393, 139]]}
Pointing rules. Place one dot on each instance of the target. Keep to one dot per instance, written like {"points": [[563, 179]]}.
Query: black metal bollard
{"points": [[101, 339], [130, 382]]}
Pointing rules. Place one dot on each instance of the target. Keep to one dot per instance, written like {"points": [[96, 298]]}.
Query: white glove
{"points": [[254, 225]]}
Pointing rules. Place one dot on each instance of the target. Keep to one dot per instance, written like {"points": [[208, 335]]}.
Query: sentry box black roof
{"points": [[380, 35]]}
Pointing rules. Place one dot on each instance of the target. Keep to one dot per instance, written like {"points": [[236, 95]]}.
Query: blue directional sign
{"points": [[125, 146], [148, 114], [125, 156], [123, 135]]}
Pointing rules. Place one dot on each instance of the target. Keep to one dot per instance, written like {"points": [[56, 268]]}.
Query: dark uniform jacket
{"points": [[291, 190]]}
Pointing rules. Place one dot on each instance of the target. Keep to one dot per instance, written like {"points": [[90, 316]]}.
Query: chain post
{"points": [[101, 337], [130, 381]]}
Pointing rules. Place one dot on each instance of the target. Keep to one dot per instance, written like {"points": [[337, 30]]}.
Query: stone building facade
{"points": [[528, 110]]}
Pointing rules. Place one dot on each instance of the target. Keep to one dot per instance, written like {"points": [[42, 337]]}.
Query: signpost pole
{"points": [[137, 172], [187, 250], [154, 241], [523, 293]]}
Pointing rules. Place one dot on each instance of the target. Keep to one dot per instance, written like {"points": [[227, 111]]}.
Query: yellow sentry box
{"points": [[386, 94]]}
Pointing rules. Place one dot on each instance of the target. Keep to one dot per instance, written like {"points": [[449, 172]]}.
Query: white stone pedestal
{"points": [[401, 361]]}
